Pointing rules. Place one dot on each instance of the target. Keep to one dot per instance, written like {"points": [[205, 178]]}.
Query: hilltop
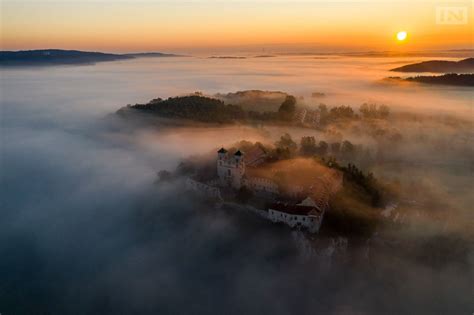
{"points": [[256, 100], [200, 108], [48, 57], [441, 66], [445, 79]]}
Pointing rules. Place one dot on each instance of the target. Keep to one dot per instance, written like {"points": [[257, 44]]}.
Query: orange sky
{"points": [[149, 25]]}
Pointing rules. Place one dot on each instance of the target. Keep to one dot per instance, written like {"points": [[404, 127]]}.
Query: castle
{"points": [[232, 172], [297, 205]]}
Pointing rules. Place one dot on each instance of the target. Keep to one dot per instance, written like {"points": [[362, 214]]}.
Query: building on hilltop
{"points": [[305, 214], [232, 172], [306, 195]]}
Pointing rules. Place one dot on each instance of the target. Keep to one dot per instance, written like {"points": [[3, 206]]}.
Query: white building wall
{"points": [[312, 223]]}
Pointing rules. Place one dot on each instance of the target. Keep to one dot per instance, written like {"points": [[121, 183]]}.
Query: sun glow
{"points": [[402, 35]]}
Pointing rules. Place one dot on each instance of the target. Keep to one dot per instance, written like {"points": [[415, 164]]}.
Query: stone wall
{"points": [[203, 189]]}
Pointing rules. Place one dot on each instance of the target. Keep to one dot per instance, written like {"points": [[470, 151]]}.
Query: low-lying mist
{"points": [[85, 229]]}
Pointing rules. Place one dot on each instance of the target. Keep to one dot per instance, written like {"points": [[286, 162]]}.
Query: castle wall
{"points": [[203, 189], [310, 222], [262, 184]]}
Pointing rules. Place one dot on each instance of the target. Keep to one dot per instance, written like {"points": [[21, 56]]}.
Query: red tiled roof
{"points": [[254, 155]]}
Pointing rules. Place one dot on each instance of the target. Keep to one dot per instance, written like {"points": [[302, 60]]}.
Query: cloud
{"points": [[85, 231]]}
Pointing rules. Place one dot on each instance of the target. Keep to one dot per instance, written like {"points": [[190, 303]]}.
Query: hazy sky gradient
{"points": [[206, 25]]}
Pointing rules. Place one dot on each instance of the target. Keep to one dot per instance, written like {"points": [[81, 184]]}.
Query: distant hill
{"points": [[441, 66], [46, 57], [227, 57], [151, 54], [446, 79], [255, 100]]}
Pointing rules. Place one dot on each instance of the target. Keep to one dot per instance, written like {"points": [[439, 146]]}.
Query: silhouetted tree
{"points": [[323, 113], [372, 111], [335, 148], [347, 149], [286, 146], [323, 148], [287, 108], [308, 146]]}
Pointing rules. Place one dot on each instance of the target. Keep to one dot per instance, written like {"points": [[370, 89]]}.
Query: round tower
{"points": [[222, 170], [239, 170], [221, 155], [239, 157]]}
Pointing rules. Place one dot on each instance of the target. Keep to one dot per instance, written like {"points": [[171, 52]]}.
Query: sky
{"points": [[207, 25]]}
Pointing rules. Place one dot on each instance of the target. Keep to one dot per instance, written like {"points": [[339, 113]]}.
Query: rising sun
{"points": [[402, 35]]}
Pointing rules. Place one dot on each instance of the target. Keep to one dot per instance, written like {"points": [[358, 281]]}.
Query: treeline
{"points": [[193, 107], [206, 109], [340, 113], [365, 181], [286, 148], [308, 146], [447, 79]]}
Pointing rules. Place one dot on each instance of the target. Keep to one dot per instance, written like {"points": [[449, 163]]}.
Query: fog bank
{"points": [[84, 229]]}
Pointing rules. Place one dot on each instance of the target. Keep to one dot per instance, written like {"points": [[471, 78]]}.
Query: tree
{"points": [[323, 113], [347, 149], [286, 143], [287, 108], [335, 148], [308, 146], [341, 112], [372, 111], [384, 111], [323, 148], [368, 110], [282, 154]]}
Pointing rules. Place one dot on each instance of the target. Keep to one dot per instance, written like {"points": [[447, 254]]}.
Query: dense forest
{"points": [[447, 79], [206, 109], [193, 107], [446, 66], [198, 107]]}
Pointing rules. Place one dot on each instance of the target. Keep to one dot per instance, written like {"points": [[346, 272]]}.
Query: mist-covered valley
{"points": [[85, 229]]}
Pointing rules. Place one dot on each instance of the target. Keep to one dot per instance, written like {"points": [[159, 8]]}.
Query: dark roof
{"points": [[222, 150], [293, 209], [255, 155], [238, 153]]}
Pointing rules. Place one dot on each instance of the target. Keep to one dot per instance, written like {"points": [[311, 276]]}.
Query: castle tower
{"points": [[239, 159], [230, 169], [239, 169], [221, 156]]}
